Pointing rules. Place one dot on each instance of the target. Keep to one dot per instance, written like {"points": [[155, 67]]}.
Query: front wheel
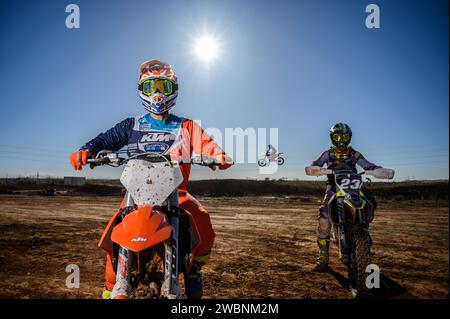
{"points": [[280, 161], [147, 273], [360, 261]]}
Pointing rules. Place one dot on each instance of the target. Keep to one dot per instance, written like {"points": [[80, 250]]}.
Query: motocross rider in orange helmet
{"points": [[164, 133]]}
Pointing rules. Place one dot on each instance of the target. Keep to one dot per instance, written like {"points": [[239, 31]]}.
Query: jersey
{"points": [[177, 137]]}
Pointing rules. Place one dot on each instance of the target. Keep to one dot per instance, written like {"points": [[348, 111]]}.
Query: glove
{"points": [[79, 158], [225, 162]]}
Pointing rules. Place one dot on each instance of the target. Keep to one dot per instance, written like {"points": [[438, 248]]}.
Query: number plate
{"points": [[150, 183], [349, 182]]}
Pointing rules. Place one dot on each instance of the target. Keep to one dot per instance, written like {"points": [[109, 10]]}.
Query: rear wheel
{"points": [[361, 259]]}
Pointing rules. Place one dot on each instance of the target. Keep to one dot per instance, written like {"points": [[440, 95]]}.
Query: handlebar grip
{"points": [[314, 171], [206, 161], [98, 161]]}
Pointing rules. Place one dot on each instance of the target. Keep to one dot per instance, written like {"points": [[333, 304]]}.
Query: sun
{"points": [[206, 48]]}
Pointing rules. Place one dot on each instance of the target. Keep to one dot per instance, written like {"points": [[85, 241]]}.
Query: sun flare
{"points": [[206, 48]]}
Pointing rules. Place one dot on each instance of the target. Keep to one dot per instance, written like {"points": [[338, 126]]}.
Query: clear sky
{"points": [[299, 66]]}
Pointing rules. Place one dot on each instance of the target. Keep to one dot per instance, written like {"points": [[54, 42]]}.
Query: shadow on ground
{"points": [[388, 287]]}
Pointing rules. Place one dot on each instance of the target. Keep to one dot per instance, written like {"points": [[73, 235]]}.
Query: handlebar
{"points": [[381, 173], [113, 159], [106, 158]]}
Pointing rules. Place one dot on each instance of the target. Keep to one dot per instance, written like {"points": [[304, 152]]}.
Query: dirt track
{"points": [[265, 248]]}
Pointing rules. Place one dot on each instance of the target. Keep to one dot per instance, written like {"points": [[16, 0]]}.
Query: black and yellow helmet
{"points": [[340, 135]]}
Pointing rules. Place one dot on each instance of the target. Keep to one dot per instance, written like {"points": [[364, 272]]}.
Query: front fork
{"points": [[124, 256], [170, 288], [343, 244], [124, 265], [343, 247]]}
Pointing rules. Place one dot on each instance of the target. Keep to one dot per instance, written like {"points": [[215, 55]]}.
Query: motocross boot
{"points": [[322, 260], [106, 294], [121, 289], [194, 281]]}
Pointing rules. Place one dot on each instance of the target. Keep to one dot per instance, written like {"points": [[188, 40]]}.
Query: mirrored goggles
{"points": [[152, 86], [341, 137]]}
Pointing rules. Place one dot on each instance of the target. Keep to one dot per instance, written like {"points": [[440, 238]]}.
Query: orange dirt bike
{"points": [[350, 214], [150, 239]]}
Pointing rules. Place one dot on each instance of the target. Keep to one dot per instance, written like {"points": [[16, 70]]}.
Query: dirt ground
{"points": [[265, 248]]}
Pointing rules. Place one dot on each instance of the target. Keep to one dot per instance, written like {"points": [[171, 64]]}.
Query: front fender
{"points": [[142, 229]]}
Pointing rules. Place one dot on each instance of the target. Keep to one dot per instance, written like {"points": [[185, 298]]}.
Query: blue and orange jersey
{"points": [[175, 136]]}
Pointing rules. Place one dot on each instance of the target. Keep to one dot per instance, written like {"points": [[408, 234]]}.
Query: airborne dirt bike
{"points": [[265, 160], [150, 239], [350, 214]]}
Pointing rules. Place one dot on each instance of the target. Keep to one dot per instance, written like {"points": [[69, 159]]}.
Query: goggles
{"points": [[151, 86], [341, 137]]}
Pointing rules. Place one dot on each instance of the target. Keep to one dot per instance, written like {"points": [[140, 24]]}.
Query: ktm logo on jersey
{"points": [[158, 137]]}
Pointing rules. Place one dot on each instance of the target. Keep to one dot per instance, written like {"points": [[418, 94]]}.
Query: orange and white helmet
{"points": [[158, 86]]}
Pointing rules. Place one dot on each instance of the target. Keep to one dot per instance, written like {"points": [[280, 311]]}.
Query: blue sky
{"points": [[299, 66]]}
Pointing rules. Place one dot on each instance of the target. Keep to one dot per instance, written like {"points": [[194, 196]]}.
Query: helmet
{"points": [[340, 135], [158, 86]]}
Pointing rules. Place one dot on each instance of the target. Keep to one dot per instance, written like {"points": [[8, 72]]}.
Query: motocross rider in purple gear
{"points": [[339, 154]]}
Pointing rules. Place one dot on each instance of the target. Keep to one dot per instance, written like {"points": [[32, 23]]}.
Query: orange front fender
{"points": [[142, 229]]}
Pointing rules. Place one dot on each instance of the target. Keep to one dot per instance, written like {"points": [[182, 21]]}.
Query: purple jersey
{"points": [[349, 157]]}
